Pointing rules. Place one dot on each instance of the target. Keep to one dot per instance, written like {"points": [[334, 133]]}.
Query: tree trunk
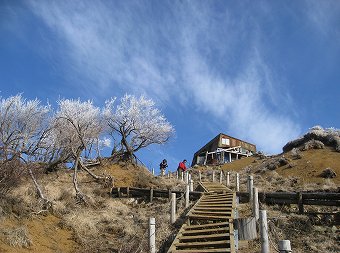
{"points": [[128, 154], [79, 194], [90, 172], [37, 187]]}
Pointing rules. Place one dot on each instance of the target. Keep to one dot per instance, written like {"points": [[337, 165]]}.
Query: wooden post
{"points": [[177, 174], [300, 203], [246, 228], [128, 192], [153, 171], [237, 182], [152, 235], [173, 208], [168, 174], [221, 176], [264, 232], [200, 176], [191, 185], [182, 175], [256, 203], [187, 196], [186, 176], [250, 187], [151, 194], [213, 176], [189, 176], [284, 246], [119, 192], [235, 227], [228, 178]]}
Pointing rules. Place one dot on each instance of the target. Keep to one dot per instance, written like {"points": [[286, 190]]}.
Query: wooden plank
{"points": [[222, 243], [204, 237], [205, 231], [226, 250], [321, 202], [215, 204], [217, 197], [212, 202], [209, 213], [208, 208], [217, 224], [209, 217], [321, 195]]}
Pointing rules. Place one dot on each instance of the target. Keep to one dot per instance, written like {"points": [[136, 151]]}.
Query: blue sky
{"points": [[261, 71]]}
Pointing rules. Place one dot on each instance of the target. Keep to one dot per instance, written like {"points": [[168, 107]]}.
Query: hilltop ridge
{"points": [[104, 224]]}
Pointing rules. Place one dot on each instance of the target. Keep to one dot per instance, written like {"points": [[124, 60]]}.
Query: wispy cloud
{"points": [[324, 16], [189, 50]]}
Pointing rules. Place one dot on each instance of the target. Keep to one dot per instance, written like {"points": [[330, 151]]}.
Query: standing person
{"points": [[162, 166], [181, 168]]}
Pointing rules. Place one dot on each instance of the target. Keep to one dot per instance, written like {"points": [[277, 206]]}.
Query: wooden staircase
{"points": [[209, 225]]}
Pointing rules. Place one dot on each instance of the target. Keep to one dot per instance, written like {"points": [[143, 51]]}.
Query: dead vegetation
{"points": [[104, 224]]}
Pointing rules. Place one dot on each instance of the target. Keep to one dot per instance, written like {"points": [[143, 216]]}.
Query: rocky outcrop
{"points": [[317, 137]]}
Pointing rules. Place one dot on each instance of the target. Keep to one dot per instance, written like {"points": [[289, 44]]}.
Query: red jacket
{"points": [[182, 166]]}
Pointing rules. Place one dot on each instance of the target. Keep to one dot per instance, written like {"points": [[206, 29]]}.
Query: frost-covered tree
{"points": [[77, 126], [24, 127], [137, 122]]}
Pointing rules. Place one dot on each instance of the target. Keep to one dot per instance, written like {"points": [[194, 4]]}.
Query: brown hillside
{"points": [[105, 224], [308, 168]]}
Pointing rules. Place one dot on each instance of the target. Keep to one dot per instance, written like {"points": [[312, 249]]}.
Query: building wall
{"points": [[222, 141]]}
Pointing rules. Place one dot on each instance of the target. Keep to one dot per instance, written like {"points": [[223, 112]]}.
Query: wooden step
{"points": [[213, 237], [202, 251], [210, 217], [211, 202], [205, 231], [191, 245], [208, 213], [210, 225], [222, 198], [216, 204], [213, 208]]}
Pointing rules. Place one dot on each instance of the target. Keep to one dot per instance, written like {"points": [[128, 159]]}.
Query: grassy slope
{"points": [[308, 168], [105, 223]]}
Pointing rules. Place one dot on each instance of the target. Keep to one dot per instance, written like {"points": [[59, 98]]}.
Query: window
{"points": [[225, 141]]}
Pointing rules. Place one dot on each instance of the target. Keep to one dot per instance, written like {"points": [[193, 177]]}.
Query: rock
{"points": [[272, 166], [328, 173], [283, 161]]}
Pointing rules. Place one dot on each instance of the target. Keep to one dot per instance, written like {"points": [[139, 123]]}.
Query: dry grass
{"points": [[111, 225], [17, 237], [103, 224], [293, 171]]}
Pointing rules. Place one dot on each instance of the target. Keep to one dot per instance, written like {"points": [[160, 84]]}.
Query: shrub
{"points": [[313, 144], [327, 136], [17, 237], [296, 154], [10, 173], [328, 173]]}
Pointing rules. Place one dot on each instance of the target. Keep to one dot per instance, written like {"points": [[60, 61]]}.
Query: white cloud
{"points": [[324, 17], [191, 53]]}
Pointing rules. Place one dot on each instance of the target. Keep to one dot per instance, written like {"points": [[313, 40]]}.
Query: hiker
{"points": [[162, 166], [181, 168]]}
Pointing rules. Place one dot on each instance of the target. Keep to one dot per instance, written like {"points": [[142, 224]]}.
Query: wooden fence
{"points": [[132, 192], [298, 198]]}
